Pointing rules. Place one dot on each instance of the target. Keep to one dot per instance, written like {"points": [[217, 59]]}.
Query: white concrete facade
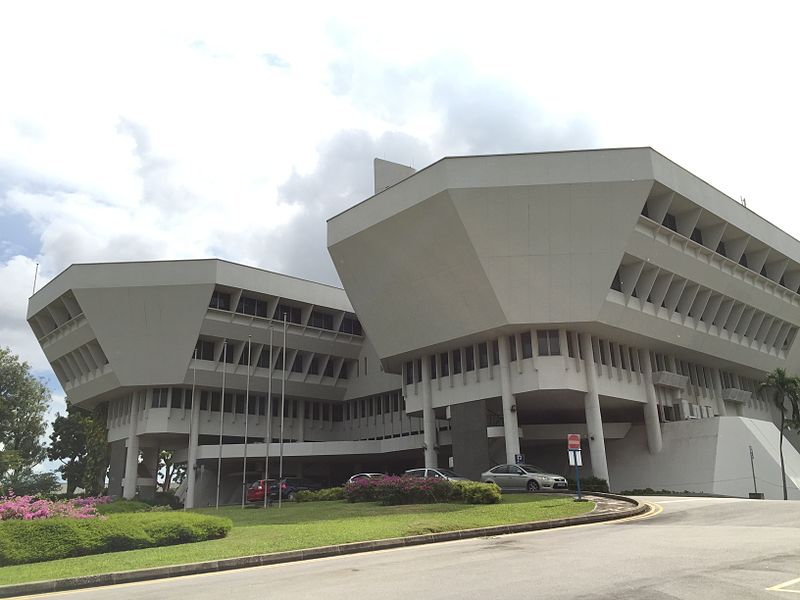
{"points": [[609, 293]]}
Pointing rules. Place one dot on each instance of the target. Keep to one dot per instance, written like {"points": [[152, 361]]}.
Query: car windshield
{"points": [[448, 473], [532, 468]]}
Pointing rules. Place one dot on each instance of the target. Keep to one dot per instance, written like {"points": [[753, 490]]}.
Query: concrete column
{"points": [[191, 459], [510, 424], [150, 466], [717, 381], [651, 421], [594, 420], [132, 457], [116, 468], [301, 420], [428, 417]]}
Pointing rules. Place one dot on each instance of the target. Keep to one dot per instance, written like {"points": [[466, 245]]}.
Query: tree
{"points": [[784, 388], [68, 445], [25, 482], [79, 441], [172, 471], [23, 402]]}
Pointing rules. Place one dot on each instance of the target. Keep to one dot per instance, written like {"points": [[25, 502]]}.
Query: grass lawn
{"points": [[307, 525]]}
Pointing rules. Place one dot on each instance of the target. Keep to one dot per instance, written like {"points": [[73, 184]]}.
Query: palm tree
{"points": [[783, 388]]}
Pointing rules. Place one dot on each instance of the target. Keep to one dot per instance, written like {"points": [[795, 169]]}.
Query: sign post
{"points": [[574, 452]]}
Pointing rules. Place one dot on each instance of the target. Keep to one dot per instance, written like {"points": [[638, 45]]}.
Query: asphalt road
{"points": [[687, 548]]}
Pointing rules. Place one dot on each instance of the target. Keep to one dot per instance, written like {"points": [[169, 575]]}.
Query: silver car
{"points": [[437, 473], [523, 477]]}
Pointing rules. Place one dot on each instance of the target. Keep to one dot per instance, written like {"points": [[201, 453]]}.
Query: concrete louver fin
{"points": [[712, 235], [387, 173], [687, 221], [687, 299], [744, 322], [732, 323], [773, 332], [721, 318], [780, 339], [757, 259], [676, 288], [735, 248], [699, 305], [792, 280], [764, 329], [776, 268], [644, 285], [658, 205], [755, 325], [712, 308], [661, 287], [629, 275]]}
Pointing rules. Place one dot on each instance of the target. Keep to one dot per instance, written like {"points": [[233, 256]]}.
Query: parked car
{"points": [[358, 476], [439, 473], [289, 487], [523, 477]]}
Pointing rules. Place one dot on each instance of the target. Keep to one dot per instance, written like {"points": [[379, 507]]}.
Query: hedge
{"points": [[589, 484], [336, 493], [23, 542], [123, 506], [417, 490]]}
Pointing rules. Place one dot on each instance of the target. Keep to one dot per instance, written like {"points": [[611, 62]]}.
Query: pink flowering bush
{"points": [[27, 508]]}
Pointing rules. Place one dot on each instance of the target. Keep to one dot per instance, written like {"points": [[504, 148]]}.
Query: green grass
{"points": [[307, 525]]}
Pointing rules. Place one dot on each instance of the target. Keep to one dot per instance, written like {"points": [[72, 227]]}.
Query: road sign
{"points": [[519, 459], [575, 459], [573, 441]]}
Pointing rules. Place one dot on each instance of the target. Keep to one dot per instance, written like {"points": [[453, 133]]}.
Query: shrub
{"points": [[416, 490], [29, 507], [473, 492], [40, 540], [123, 506], [336, 493], [590, 484]]}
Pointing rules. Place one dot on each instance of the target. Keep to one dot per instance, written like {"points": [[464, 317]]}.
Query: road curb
{"points": [[260, 560]]}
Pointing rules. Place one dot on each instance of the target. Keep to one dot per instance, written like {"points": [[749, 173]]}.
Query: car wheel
{"points": [[533, 486]]}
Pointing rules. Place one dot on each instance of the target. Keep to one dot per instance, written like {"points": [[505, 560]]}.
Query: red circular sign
{"points": [[573, 441]]}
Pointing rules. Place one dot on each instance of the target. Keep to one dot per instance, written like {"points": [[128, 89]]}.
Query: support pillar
{"points": [[651, 421], [132, 457], [717, 382], [191, 459], [510, 423], [594, 420], [301, 420], [428, 417]]}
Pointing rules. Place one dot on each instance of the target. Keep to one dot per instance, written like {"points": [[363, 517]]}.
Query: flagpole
{"points": [[283, 410], [268, 437], [221, 414], [191, 467], [246, 414]]}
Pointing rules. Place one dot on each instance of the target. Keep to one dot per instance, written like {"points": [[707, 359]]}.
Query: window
{"points": [[244, 359], [432, 363], [228, 353], [204, 350], [456, 361], [220, 300], [350, 324], [444, 359], [177, 397], [697, 236], [228, 403], [512, 348], [160, 396], [721, 248], [527, 345], [240, 404], [328, 368], [483, 355], [743, 260], [321, 319], [343, 371], [570, 345], [616, 284], [214, 401], [338, 413], [203, 400], [469, 354], [548, 342], [365, 366], [292, 313], [263, 358], [313, 367], [252, 306], [297, 364], [670, 223], [326, 412], [409, 373], [495, 353]]}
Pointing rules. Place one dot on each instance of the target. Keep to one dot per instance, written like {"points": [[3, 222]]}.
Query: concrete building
{"points": [[508, 300]]}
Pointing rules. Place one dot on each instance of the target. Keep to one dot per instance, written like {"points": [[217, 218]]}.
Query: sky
{"points": [[234, 130]]}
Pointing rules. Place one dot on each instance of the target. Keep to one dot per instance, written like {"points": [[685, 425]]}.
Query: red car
{"points": [[255, 491]]}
